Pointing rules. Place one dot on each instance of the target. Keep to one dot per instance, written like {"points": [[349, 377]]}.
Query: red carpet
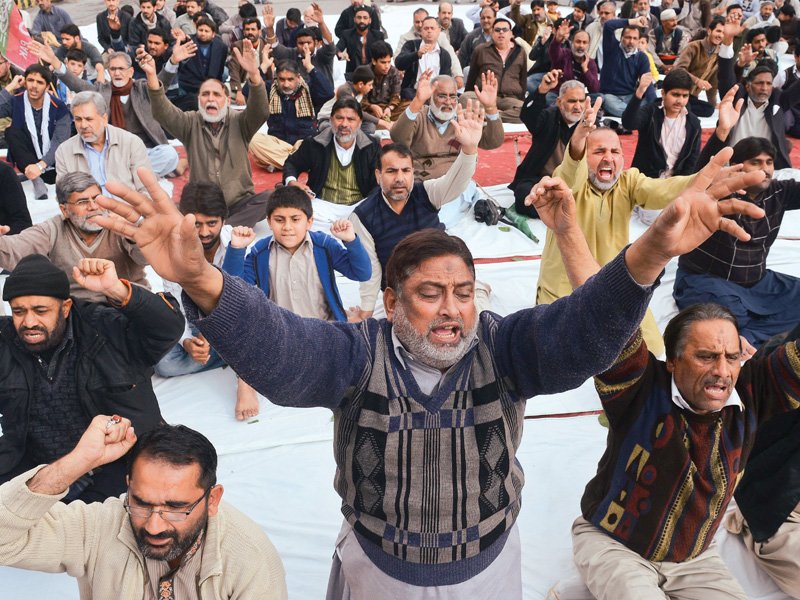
{"points": [[494, 166]]}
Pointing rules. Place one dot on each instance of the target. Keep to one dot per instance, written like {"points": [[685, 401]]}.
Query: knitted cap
{"points": [[35, 275], [668, 15]]}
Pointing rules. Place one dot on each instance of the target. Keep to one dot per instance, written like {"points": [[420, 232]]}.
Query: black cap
{"points": [[35, 275]]}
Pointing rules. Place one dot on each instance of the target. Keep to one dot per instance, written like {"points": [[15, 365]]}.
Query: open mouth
{"points": [[605, 173], [445, 334], [717, 391], [33, 336]]}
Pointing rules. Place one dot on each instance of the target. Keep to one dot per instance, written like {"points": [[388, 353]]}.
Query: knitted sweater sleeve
{"points": [[556, 347], [290, 360], [616, 385]]}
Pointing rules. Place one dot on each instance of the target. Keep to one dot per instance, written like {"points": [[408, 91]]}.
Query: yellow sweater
{"points": [[605, 218]]}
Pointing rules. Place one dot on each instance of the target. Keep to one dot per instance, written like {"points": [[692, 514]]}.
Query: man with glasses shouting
{"points": [[507, 61], [71, 236], [179, 539]]}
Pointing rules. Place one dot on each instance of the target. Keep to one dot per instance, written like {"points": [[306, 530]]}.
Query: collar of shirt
{"points": [[88, 146], [627, 54], [677, 399], [441, 127], [345, 155]]}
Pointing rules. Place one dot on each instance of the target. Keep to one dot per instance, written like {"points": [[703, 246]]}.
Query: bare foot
{"points": [[246, 402]]}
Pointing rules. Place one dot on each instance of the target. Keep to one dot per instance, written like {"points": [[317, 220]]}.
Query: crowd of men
{"points": [[427, 385]]}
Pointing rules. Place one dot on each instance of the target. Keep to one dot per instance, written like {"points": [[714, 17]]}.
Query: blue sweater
{"points": [[352, 261], [384, 427], [620, 75]]}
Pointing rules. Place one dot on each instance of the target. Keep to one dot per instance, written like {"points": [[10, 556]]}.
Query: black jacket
{"points": [[350, 40], [547, 126], [13, 206], [779, 103], [314, 157], [650, 157], [457, 33], [104, 31], [191, 74], [348, 20], [137, 30], [116, 349], [770, 487], [408, 62]]}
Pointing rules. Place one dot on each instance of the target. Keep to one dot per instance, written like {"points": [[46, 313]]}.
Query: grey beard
{"points": [[441, 115], [116, 83], [602, 185], [417, 344], [223, 112]]}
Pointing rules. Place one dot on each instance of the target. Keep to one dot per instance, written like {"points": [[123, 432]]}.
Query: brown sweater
{"points": [[434, 153], [695, 58], [58, 239], [512, 77]]}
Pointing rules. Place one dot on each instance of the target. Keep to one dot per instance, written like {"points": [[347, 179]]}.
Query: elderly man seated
{"points": [[340, 160], [129, 103], [292, 114], [65, 360], [195, 543], [430, 130], [72, 235], [215, 138], [108, 153]]}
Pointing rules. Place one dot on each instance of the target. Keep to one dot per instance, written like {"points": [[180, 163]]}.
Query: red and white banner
{"points": [[14, 36]]}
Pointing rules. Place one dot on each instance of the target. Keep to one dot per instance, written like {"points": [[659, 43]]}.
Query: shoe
{"points": [[40, 189]]}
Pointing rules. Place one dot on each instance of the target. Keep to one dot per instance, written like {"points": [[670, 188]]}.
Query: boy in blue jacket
{"points": [[295, 267]]}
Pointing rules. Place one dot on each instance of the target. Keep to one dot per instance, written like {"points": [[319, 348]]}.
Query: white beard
{"points": [[220, 116]]}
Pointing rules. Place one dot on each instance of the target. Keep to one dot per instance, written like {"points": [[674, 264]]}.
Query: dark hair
{"points": [[677, 79], [363, 74], [76, 54], [380, 50], [127, 9], [762, 66], [420, 246], [71, 29], [753, 33], [678, 328], [631, 28], [788, 10], [750, 147], [311, 32], [362, 8], [581, 5], [250, 21], [153, 2], [293, 15], [160, 33], [204, 198], [421, 10], [288, 65], [430, 17], [290, 196], [39, 70], [715, 22], [733, 7], [200, 3], [203, 20], [248, 11], [348, 102], [179, 446], [535, 3], [400, 149]]}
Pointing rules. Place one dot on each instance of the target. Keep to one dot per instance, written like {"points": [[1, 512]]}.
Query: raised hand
{"points": [[550, 81], [105, 440], [317, 16], [114, 22], [487, 94], [343, 229], [167, 239], [562, 32], [641, 22], [44, 52], [247, 57], [269, 15], [100, 275], [146, 63], [469, 126], [729, 111], [182, 51], [307, 64], [645, 81], [700, 211], [266, 59], [424, 87], [179, 34], [554, 202], [242, 237], [746, 55]]}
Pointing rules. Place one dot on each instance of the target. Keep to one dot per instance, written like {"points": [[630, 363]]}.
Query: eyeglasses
{"points": [[173, 516], [84, 202], [443, 97], [118, 69], [501, 30]]}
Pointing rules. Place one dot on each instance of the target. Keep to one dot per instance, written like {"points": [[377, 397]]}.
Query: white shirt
{"points": [[345, 155], [752, 123], [678, 400]]}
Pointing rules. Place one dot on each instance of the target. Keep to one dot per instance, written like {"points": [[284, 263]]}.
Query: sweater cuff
{"points": [[17, 498]]}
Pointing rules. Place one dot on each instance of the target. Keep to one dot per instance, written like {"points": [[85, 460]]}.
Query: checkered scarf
{"points": [[301, 98]]}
